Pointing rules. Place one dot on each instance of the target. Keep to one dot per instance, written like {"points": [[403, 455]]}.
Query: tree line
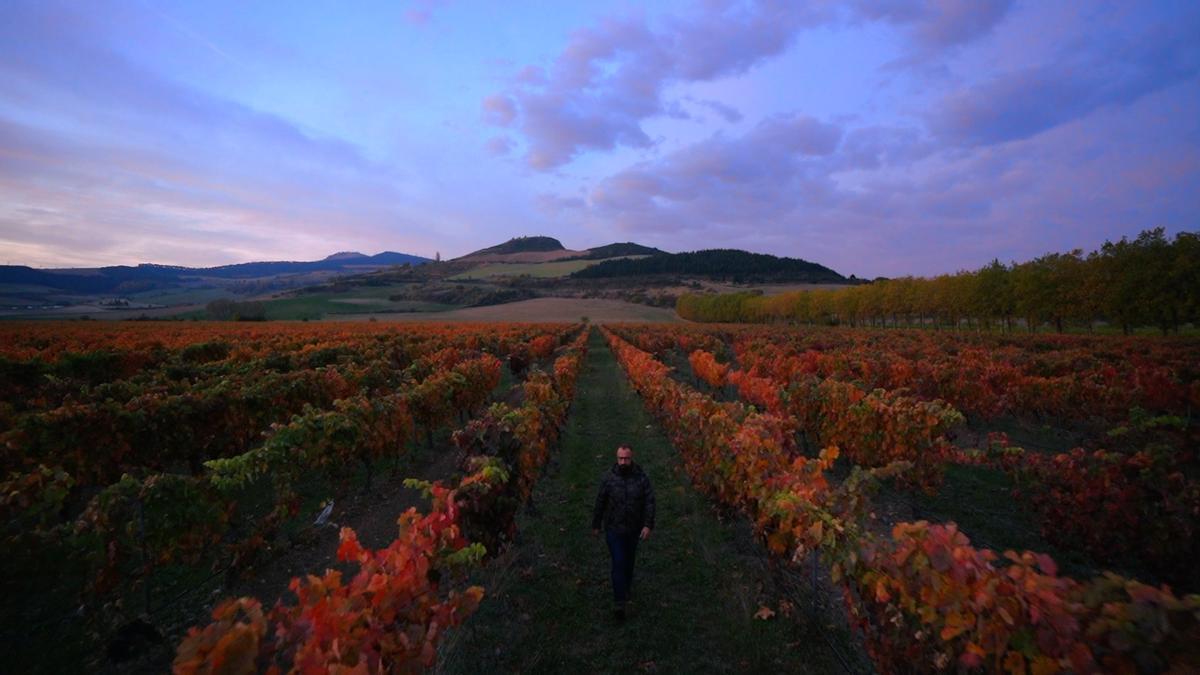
{"points": [[1148, 281], [717, 263]]}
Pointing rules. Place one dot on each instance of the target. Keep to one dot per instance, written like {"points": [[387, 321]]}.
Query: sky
{"points": [[877, 137]]}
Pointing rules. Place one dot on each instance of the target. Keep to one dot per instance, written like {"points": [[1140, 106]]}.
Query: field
{"points": [[553, 268], [554, 310], [556, 268], [829, 499], [341, 305]]}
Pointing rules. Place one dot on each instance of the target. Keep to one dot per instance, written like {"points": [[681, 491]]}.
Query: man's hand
{"points": [[645, 533], [595, 532]]}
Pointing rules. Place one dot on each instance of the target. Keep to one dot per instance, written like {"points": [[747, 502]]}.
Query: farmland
{"points": [[893, 499], [922, 595], [147, 465]]}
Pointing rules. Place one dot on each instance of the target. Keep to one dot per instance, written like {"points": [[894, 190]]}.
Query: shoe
{"points": [[619, 612]]}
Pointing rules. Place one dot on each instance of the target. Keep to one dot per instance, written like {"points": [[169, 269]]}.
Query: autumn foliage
{"points": [[391, 614], [130, 451], [924, 598], [706, 367], [884, 396]]}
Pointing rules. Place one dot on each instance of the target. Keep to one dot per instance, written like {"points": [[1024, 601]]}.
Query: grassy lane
{"points": [[698, 584]]}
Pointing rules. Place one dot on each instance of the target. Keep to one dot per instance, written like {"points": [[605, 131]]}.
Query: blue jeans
{"points": [[622, 548]]}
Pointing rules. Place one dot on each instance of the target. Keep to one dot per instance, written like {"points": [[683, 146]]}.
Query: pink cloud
{"points": [[610, 77], [498, 146], [499, 110], [892, 201], [937, 24]]}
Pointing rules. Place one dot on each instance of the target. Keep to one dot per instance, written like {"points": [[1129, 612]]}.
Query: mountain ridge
{"points": [[112, 278]]}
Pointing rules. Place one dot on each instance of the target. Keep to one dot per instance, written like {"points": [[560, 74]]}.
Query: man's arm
{"points": [[601, 503]]}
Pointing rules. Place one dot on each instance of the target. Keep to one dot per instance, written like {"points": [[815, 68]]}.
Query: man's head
{"points": [[624, 458]]}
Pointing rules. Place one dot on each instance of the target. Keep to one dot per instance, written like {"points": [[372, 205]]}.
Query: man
{"points": [[625, 506]]}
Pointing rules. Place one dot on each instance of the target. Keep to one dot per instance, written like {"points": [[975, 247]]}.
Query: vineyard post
{"points": [[812, 596], [146, 564]]}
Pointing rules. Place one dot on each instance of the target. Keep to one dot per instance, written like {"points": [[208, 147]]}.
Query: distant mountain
{"points": [[546, 249], [520, 245], [125, 278], [334, 263], [102, 280], [729, 264], [617, 250]]}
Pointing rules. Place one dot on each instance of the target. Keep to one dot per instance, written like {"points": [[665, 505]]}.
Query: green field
{"points": [[559, 268], [546, 270], [320, 305], [365, 300], [180, 296]]}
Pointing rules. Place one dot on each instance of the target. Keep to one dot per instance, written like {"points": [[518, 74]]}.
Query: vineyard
{"points": [[764, 438], [147, 467], [142, 461]]}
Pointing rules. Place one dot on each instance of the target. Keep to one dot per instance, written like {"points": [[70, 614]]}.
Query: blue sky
{"points": [[878, 137]]}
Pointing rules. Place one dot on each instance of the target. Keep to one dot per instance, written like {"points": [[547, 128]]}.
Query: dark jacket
{"points": [[625, 503]]}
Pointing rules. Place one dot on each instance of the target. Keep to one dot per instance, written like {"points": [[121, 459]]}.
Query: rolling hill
{"points": [[726, 264], [542, 249], [349, 283], [125, 278]]}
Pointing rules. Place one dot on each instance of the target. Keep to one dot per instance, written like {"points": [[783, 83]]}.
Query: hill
{"points": [[348, 262], [125, 278], [542, 249], [726, 264], [537, 244], [619, 250]]}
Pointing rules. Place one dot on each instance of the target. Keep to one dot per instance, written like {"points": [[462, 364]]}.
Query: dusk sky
{"points": [[878, 137]]}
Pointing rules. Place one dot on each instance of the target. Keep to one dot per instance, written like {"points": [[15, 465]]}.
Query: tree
{"points": [[1185, 278], [1117, 267], [1064, 297], [1152, 272], [994, 297]]}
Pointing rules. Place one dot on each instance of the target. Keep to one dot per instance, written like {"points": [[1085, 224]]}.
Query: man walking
{"points": [[625, 506]]}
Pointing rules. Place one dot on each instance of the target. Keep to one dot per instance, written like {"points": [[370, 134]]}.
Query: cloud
{"points": [[875, 147], [764, 174], [104, 159], [1022, 103], [498, 146], [554, 205], [937, 24], [726, 112], [499, 110], [889, 200], [611, 77], [421, 11]]}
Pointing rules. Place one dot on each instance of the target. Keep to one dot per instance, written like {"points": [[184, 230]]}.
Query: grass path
{"points": [[698, 582]]}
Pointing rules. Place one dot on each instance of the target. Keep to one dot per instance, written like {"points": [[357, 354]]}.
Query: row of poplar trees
{"points": [[1148, 281]]}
